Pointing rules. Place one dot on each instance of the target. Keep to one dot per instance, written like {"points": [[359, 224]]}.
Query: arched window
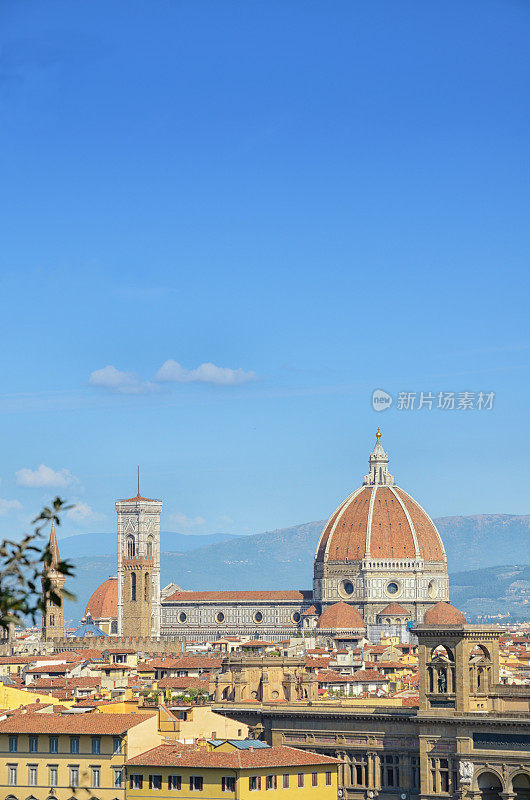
{"points": [[490, 786], [52, 620], [521, 786], [147, 584], [133, 586], [150, 547], [114, 626], [130, 547]]}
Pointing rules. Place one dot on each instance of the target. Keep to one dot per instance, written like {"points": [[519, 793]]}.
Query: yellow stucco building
{"points": [[244, 770], [54, 755]]}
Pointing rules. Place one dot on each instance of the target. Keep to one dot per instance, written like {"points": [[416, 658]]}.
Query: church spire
{"points": [[54, 548], [52, 582], [378, 463]]}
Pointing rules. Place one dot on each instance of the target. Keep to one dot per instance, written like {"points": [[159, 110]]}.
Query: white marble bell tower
{"points": [[139, 561]]}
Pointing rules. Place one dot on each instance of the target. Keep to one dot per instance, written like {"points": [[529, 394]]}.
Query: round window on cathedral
{"points": [[433, 588], [183, 616], [392, 587], [295, 616], [346, 588], [258, 617], [219, 617]]}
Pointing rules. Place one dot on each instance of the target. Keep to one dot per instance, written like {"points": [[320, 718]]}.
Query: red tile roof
{"points": [[104, 600], [397, 522], [443, 614], [316, 663], [254, 643], [48, 669], [89, 653], [104, 724], [395, 609], [173, 755], [35, 707], [217, 597], [368, 676], [429, 541], [185, 662], [340, 615], [138, 499]]}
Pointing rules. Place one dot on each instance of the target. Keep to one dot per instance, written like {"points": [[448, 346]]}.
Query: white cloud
{"points": [[83, 514], [45, 476], [8, 505], [116, 380], [185, 522], [172, 371]]}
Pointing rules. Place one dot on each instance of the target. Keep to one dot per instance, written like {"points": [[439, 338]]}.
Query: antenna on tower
{"points": [[138, 480]]}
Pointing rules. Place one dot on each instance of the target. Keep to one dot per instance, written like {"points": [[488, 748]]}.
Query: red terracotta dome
{"points": [[444, 614], [340, 615], [104, 601], [380, 520]]}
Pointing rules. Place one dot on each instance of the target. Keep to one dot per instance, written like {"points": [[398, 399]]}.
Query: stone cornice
{"points": [[392, 714]]}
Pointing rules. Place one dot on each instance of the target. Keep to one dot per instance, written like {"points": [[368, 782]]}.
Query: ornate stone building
{"points": [[379, 555], [378, 546], [265, 678], [469, 739]]}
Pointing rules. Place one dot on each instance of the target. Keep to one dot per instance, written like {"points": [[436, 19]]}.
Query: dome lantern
{"points": [[378, 463]]}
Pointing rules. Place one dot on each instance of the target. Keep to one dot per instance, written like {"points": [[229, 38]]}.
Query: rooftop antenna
{"points": [[138, 480]]}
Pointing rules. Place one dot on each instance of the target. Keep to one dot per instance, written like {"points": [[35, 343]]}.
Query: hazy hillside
{"points": [[485, 540], [87, 544], [486, 593], [284, 559]]}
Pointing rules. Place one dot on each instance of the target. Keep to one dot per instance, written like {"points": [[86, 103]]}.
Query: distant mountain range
{"points": [[86, 544], [284, 559]]}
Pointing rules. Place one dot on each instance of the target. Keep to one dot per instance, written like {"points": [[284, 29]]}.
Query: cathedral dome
{"points": [[104, 600], [379, 521], [444, 614], [340, 615]]}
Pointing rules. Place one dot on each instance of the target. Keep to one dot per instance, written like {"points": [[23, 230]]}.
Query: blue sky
{"points": [[318, 199]]}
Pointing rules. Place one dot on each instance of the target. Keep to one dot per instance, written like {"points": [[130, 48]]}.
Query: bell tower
{"points": [[458, 666], [139, 566], [52, 615]]}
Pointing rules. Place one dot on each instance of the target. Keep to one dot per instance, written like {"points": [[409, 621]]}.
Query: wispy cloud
{"points": [[83, 514], [186, 523], [45, 476], [172, 372], [9, 505], [116, 380]]}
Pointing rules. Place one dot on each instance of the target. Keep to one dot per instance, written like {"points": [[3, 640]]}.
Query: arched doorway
{"points": [[521, 786], [490, 786]]}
